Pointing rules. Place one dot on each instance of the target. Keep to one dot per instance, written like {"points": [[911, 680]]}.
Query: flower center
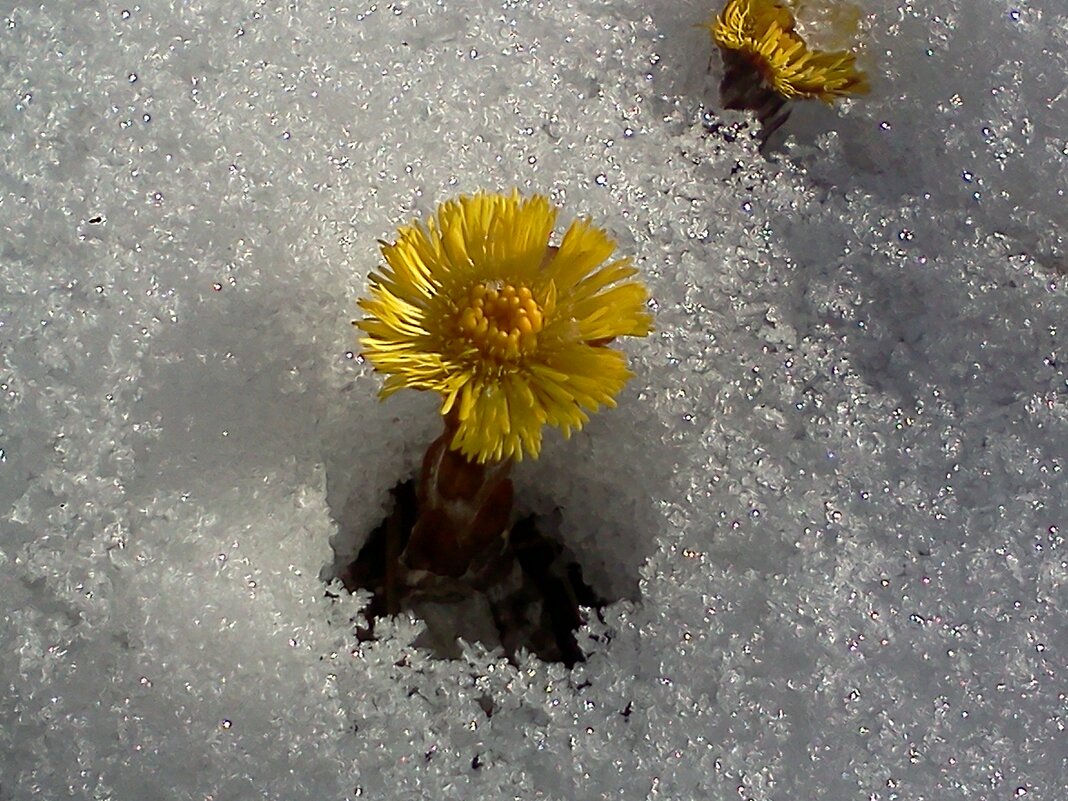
{"points": [[502, 321]]}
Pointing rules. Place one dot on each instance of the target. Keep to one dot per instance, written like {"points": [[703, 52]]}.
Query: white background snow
{"points": [[830, 508]]}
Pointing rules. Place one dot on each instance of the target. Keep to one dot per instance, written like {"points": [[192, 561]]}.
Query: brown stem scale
{"points": [[463, 507]]}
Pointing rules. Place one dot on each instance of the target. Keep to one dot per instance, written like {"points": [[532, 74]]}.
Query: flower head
{"points": [[476, 305], [764, 33]]}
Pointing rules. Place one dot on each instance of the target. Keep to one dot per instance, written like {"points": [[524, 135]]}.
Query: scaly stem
{"points": [[463, 507]]}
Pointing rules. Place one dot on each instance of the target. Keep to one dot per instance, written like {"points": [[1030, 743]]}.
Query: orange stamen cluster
{"points": [[502, 321]]}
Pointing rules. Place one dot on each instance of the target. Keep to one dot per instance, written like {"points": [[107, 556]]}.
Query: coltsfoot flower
{"points": [[476, 305], [764, 34]]}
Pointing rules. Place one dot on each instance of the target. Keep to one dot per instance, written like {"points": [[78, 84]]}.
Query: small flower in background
{"points": [[772, 54], [477, 306], [764, 35]]}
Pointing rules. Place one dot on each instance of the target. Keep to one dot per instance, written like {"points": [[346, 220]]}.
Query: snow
{"points": [[828, 510]]}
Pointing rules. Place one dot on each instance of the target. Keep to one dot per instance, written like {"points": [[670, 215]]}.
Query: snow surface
{"points": [[830, 506]]}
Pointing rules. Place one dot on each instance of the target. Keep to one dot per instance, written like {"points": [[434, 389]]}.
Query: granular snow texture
{"points": [[829, 509]]}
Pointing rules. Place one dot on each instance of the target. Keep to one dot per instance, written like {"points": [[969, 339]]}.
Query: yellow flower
{"points": [[764, 33], [476, 305]]}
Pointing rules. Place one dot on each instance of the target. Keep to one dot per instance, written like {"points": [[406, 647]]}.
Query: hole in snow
{"points": [[523, 591]]}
